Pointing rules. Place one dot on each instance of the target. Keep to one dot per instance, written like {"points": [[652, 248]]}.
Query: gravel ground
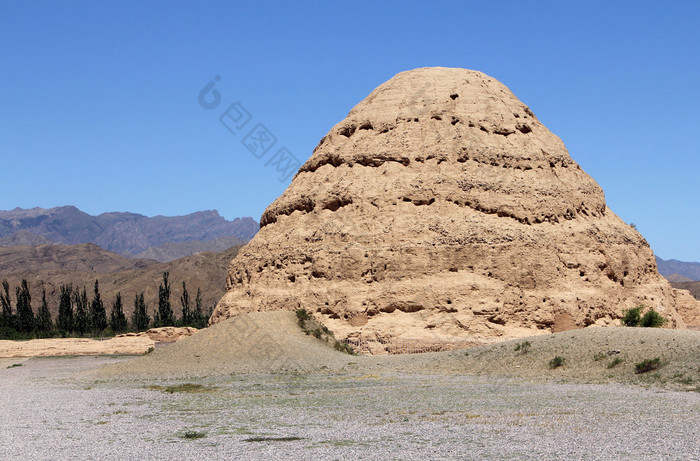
{"points": [[52, 411]]}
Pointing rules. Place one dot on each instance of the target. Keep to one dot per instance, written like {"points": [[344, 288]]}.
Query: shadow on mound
{"points": [[260, 342]]}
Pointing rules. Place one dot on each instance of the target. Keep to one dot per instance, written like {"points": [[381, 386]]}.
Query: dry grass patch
{"points": [[190, 388]]}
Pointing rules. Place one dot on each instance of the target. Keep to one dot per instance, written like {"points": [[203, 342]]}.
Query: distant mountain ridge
{"points": [[23, 238], [120, 232], [171, 251], [55, 257], [668, 267]]}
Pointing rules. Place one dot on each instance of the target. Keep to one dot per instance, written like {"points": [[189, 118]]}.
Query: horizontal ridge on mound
{"points": [[440, 207]]}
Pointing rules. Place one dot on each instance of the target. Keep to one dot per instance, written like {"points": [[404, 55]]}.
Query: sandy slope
{"points": [[272, 342], [263, 342]]}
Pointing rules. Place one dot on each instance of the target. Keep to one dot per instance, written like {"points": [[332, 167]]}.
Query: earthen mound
{"points": [[441, 207], [265, 342]]}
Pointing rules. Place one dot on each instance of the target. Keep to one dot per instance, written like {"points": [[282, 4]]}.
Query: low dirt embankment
{"points": [[273, 342], [589, 355], [127, 344]]}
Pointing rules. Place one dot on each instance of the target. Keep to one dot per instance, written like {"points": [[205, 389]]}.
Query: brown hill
{"points": [[171, 251], [677, 278], [442, 207], [693, 287], [83, 257], [50, 266]]}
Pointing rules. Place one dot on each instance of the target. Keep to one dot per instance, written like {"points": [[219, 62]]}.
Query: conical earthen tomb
{"points": [[442, 208]]}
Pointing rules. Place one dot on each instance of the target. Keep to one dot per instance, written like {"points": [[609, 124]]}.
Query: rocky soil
{"points": [[353, 415]]}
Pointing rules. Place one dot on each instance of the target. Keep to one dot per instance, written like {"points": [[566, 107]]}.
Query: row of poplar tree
{"points": [[78, 316]]}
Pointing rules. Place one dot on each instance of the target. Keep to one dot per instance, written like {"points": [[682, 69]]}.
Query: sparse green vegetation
{"points": [[557, 362], [318, 331], [343, 347], [194, 435], [15, 365], [647, 365], [634, 318], [615, 362], [302, 317], [190, 388], [271, 439], [311, 327], [599, 356], [652, 319], [523, 347]]}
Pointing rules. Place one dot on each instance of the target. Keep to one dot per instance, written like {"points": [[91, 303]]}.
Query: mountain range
{"points": [[678, 271], [129, 234]]}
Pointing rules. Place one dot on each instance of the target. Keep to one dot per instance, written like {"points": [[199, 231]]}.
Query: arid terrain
{"points": [[257, 387], [439, 215], [50, 266], [273, 342]]}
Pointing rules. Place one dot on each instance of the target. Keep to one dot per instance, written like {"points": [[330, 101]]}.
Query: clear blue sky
{"points": [[98, 99]]}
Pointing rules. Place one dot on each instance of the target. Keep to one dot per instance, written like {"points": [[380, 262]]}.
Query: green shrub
{"points": [[615, 362], [302, 317], [647, 365], [556, 362], [523, 347], [599, 356], [632, 316], [343, 347], [652, 319]]}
